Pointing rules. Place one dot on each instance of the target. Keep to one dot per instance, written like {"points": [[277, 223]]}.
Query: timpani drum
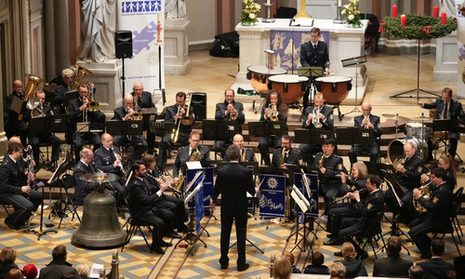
{"points": [[258, 76], [334, 88], [290, 87]]}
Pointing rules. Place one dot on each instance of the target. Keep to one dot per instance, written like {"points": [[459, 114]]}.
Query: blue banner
{"points": [[272, 197], [207, 184], [313, 196]]}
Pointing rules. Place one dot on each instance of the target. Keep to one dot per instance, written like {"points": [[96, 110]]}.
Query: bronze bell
{"points": [[100, 227]]}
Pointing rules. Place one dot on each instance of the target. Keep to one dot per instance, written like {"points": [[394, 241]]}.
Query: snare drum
{"points": [[258, 76], [417, 130], [334, 88], [290, 87]]}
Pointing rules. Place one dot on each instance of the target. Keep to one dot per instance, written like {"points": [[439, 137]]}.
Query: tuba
{"points": [[33, 83], [316, 118], [81, 73]]}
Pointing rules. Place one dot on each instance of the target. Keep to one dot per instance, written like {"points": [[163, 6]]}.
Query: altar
{"points": [[343, 42]]}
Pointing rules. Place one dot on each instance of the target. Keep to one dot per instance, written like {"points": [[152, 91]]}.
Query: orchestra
{"points": [[140, 181]]}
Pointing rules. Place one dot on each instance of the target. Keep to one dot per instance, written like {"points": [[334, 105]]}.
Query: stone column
{"points": [[177, 60]]}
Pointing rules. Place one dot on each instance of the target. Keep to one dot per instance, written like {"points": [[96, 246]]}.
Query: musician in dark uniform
{"points": [[438, 205], [44, 108], [143, 100], [78, 108], [445, 162], [14, 190], [57, 99], [314, 53], [273, 107], [446, 108], [84, 167], [314, 117], [125, 113], [369, 208], [107, 158], [233, 182], [142, 207], [173, 114], [15, 124], [232, 111], [408, 175], [247, 154], [286, 154], [329, 165], [367, 121], [170, 202], [192, 152]]}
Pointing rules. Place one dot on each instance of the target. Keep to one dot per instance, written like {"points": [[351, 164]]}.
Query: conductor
{"points": [[233, 182]]}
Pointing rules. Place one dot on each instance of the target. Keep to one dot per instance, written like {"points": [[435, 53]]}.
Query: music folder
{"points": [[450, 125], [313, 72], [16, 104], [219, 130]]}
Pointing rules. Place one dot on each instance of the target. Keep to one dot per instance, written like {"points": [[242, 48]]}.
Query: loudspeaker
{"points": [[123, 44], [199, 104]]}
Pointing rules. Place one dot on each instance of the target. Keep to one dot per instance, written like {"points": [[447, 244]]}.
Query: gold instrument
{"points": [[92, 105], [233, 114], [316, 118], [33, 83], [397, 162], [136, 116], [185, 120], [322, 160], [425, 193], [272, 112], [195, 156], [38, 111], [81, 73], [281, 161]]}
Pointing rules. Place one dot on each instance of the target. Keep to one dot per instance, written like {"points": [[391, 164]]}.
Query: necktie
{"points": [[286, 155], [446, 110], [314, 45]]}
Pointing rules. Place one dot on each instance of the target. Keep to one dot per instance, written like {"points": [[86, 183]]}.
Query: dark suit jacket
{"points": [[77, 115], [411, 178], [11, 117], [392, 266], [12, 176], [455, 108], [314, 57], [82, 186], [119, 113], [293, 157], [249, 155], [142, 199], [377, 130], [145, 101], [438, 206], [184, 155], [233, 182], [221, 108], [333, 165], [328, 123], [435, 268], [104, 159], [170, 112], [58, 270]]}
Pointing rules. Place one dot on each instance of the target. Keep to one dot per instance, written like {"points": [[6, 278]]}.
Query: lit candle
{"points": [[403, 20], [339, 3], [436, 11], [394, 10], [443, 18]]}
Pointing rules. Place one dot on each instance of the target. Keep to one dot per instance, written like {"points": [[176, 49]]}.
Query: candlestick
{"points": [[443, 18], [436, 11], [403, 20], [394, 10], [339, 3]]}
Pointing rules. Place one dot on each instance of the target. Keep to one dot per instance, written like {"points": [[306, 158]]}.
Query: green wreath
{"points": [[419, 27]]}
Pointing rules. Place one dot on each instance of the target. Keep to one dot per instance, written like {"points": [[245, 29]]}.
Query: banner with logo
{"points": [[286, 45], [146, 21], [313, 196], [272, 199]]}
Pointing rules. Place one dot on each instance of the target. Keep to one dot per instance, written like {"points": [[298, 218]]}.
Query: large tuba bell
{"points": [[33, 83], [81, 73]]}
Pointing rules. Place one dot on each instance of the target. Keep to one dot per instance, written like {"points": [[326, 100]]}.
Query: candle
{"points": [[443, 18], [268, 2], [394, 10], [436, 11], [339, 3], [403, 20]]}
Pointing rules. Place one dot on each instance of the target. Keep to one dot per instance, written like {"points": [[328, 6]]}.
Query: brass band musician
{"points": [[246, 154], [64, 83], [44, 108], [79, 112], [229, 110], [194, 151], [143, 100], [273, 109], [438, 205], [445, 162], [126, 112], [286, 154], [320, 116], [367, 121], [14, 124], [175, 113]]}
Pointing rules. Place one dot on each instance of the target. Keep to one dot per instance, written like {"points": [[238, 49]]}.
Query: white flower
{"points": [[350, 17], [252, 16]]}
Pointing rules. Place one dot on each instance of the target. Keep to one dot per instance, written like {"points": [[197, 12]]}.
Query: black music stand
{"points": [[124, 128], [57, 123], [149, 115], [267, 128], [354, 62], [311, 73], [312, 136], [161, 127], [38, 125]]}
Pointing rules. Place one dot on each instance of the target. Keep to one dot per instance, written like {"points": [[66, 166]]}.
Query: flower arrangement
{"points": [[352, 13], [250, 10], [418, 27]]}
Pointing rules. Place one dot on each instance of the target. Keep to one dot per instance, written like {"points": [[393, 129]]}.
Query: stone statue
{"points": [[175, 9], [98, 26], [449, 6]]}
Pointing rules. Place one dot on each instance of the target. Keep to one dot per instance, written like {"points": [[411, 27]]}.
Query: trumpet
{"points": [[366, 119], [272, 112], [316, 118], [232, 111]]}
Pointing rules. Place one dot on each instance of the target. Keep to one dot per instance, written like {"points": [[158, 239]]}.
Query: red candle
{"points": [[403, 20], [443, 18], [394, 10], [436, 11]]}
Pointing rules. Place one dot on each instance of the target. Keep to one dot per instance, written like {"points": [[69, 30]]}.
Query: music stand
{"points": [[159, 128], [41, 231], [149, 115], [17, 104], [267, 128], [38, 125], [356, 62], [124, 128], [57, 123], [345, 135], [312, 136], [311, 73]]}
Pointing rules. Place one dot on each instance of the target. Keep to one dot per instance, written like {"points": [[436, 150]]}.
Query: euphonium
{"points": [[38, 111], [272, 113], [33, 83], [425, 193], [316, 118]]}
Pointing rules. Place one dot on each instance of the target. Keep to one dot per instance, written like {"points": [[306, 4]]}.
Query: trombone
{"points": [[185, 119]]}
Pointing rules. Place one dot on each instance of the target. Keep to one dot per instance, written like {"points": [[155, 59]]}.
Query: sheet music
{"points": [[299, 199], [95, 270]]}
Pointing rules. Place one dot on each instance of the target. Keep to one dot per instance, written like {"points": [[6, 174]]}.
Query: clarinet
{"points": [[120, 165]]}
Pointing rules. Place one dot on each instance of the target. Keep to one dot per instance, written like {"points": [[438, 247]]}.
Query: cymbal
{"points": [[399, 118], [100, 177], [423, 117]]}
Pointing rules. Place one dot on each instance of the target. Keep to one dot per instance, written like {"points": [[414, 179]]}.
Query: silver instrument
{"points": [[120, 165], [316, 121]]}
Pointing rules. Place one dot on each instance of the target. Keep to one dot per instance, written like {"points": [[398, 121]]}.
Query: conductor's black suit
{"points": [[233, 182]]}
